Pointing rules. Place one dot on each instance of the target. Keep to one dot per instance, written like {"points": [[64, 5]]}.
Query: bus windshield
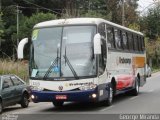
{"points": [[63, 52]]}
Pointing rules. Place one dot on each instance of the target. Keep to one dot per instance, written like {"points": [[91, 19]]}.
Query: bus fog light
{"points": [[94, 95]]}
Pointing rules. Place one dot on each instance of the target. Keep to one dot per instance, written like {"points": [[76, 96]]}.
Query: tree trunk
{"points": [[71, 8]]}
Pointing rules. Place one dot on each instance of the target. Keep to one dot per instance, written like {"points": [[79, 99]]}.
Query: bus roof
{"points": [[79, 21]]}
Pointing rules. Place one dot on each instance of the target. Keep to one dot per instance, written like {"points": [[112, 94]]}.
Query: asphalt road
{"points": [[147, 102]]}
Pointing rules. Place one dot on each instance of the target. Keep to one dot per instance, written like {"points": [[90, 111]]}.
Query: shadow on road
{"points": [[12, 108], [70, 107], [87, 107]]}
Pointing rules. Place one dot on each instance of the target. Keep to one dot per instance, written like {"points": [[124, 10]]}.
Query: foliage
{"points": [[94, 14], [17, 68], [1, 27], [134, 26], [150, 25], [25, 29], [28, 22]]}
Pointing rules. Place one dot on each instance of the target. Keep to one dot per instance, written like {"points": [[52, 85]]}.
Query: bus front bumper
{"points": [[50, 96]]}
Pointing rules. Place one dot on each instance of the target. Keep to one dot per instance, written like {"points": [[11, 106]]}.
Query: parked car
{"points": [[13, 90], [148, 71]]}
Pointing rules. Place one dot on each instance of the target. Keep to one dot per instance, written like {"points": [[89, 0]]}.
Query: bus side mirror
{"points": [[97, 44], [21, 45]]}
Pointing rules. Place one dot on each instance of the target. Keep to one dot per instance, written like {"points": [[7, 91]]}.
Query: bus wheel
{"points": [[109, 100], [58, 104], [135, 91]]}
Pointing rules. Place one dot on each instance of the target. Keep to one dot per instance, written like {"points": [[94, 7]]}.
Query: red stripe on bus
{"points": [[124, 81]]}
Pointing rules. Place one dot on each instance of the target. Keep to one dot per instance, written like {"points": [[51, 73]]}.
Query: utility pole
{"points": [[17, 25], [123, 14], [0, 7], [0, 17], [89, 5], [17, 33], [158, 5]]}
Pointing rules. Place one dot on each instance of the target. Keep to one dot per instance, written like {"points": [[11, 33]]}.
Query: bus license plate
{"points": [[61, 97]]}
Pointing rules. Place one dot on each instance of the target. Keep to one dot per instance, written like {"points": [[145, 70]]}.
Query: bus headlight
{"points": [[94, 95], [88, 87], [33, 97], [36, 88]]}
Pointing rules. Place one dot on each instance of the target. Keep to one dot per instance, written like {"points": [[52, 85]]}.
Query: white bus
{"points": [[84, 59]]}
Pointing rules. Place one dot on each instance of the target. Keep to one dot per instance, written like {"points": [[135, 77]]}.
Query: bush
{"points": [[19, 68]]}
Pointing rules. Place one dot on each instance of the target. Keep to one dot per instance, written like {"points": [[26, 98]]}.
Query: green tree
{"points": [[25, 29], [134, 26], [1, 27], [151, 23], [27, 23]]}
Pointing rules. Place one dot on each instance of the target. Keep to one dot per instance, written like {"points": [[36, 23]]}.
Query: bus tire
{"points": [[135, 91], [109, 100], [58, 104]]}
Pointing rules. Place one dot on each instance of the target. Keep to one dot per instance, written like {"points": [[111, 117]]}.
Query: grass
{"points": [[18, 68], [155, 69]]}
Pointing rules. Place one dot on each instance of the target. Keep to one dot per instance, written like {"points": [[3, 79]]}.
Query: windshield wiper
{"points": [[53, 63], [51, 66], [70, 65]]}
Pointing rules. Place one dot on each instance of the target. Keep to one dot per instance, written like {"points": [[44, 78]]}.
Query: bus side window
{"points": [[135, 43], [101, 30], [138, 43], [130, 41], [110, 37], [124, 41], [118, 39], [103, 56], [143, 44]]}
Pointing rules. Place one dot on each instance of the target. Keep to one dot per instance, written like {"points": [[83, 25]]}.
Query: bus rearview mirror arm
{"points": [[20, 50], [97, 44]]}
